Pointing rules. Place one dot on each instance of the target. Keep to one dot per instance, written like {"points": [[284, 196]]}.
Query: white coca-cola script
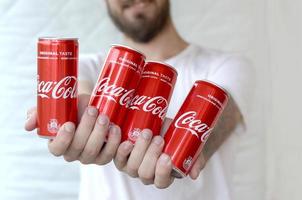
{"points": [[157, 105], [113, 92], [65, 88], [195, 126]]}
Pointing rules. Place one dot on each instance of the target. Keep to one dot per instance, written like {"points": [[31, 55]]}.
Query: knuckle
{"points": [[85, 161], [202, 164], [76, 148], [146, 181], [161, 186], [160, 172], [90, 152], [68, 158], [154, 150], [55, 153], [132, 174], [118, 161], [118, 165], [101, 162], [132, 168], [107, 157], [132, 171], [121, 153], [65, 143], [145, 176]]}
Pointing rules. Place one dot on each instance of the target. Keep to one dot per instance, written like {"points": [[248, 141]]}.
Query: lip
{"points": [[136, 4]]}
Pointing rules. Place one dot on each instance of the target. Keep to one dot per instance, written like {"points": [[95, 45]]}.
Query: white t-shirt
{"points": [[221, 179]]}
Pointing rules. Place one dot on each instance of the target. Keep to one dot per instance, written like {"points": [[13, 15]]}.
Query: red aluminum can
{"points": [[117, 82], [193, 124], [57, 84], [148, 107]]}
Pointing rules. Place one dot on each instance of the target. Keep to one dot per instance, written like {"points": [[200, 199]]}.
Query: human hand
{"points": [[146, 161], [85, 143]]}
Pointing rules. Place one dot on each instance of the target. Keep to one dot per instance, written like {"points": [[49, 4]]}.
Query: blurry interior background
{"points": [[268, 32]]}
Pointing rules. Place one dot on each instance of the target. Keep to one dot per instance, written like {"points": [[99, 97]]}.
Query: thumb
{"points": [[31, 120]]}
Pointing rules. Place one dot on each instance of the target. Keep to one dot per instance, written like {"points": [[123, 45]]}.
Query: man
{"points": [[148, 27]]}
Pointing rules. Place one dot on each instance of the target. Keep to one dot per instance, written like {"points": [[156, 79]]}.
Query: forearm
{"points": [[230, 117]]}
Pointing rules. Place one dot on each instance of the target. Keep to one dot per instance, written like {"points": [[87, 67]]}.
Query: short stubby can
{"points": [[193, 124], [57, 84], [148, 107], [117, 82]]}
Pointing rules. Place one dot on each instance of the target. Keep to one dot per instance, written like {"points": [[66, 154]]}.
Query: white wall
{"points": [[284, 138]]}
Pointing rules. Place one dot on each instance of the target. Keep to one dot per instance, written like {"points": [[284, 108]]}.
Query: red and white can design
{"points": [[149, 105], [57, 84], [193, 124], [117, 82]]}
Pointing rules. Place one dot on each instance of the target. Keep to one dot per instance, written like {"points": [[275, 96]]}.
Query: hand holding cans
{"points": [[134, 95]]}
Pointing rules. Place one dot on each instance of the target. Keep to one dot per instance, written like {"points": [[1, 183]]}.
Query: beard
{"points": [[143, 29]]}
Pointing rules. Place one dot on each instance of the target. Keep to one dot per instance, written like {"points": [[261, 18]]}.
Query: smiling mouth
{"points": [[131, 3]]}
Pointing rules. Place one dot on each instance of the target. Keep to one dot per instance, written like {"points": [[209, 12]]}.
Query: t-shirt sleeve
{"points": [[236, 75], [90, 67]]}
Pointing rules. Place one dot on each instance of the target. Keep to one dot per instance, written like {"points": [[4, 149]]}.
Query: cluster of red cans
{"points": [[133, 93]]}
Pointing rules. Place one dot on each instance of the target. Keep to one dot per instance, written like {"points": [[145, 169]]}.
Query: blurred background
{"points": [[268, 32]]}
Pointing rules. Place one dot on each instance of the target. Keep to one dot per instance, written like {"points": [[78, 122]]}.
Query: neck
{"points": [[165, 45]]}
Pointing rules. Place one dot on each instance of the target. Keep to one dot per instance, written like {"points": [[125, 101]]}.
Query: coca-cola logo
{"points": [[65, 88], [157, 105], [195, 126], [113, 92]]}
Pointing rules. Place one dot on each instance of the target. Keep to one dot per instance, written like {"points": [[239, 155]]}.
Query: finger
{"points": [[122, 154], [60, 143], [165, 126], [197, 167], [82, 134], [146, 170], [95, 140], [163, 171], [82, 104], [138, 152], [109, 151], [31, 119]]}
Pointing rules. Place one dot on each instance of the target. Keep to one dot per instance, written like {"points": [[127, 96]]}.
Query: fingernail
{"points": [[92, 111], [28, 116], [114, 130], [127, 146], [164, 159], [69, 127], [103, 120], [146, 134], [158, 140]]}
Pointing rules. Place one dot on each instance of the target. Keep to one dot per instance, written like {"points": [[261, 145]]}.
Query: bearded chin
{"points": [[142, 30]]}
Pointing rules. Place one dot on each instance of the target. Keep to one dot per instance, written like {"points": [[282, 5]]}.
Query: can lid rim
{"points": [[127, 47], [163, 63], [59, 38], [182, 174], [213, 83]]}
